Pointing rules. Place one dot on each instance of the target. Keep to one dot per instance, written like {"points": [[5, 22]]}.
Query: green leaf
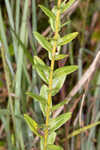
{"points": [[56, 123], [51, 138], [42, 69], [37, 97], [61, 56], [66, 23], [54, 147], [44, 94], [66, 6], [52, 24], [60, 76], [63, 71], [57, 84], [57, 106], [67, 38], [49, 13], [51, 20], [76, 132], [43, 41], [32, 124]]}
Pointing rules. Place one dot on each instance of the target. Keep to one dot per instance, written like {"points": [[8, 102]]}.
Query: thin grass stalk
{"points": [[31, 40], [70, 46], [34, 23], [4, 41], [12, 6], [19, 73], [10, 15], [90, 144], [95, 112], [35, 78], [17, 16], [20, 54], [51, 74], [84, 14]]}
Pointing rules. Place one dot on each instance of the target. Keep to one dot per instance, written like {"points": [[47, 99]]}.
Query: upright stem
{"points": [[51, 74]]}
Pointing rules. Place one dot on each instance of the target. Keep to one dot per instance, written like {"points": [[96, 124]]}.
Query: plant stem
{"points": [[51, 74]]}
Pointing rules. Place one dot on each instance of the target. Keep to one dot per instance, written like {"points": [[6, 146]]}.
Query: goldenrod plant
{"points": [[54, 79], [16, 45]]}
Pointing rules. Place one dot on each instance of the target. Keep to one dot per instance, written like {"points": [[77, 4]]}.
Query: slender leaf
{"points": [[52, 24], [60, 56], [60, 76], [43, 41], [42, 69], [64, 6], [44, 94], [17, 20], [57, 106], [51, 16], [63, 71], [66, 23], [56, 123], [11, 21], [51, 138], [32, 124], [37, 97], [49, 13], [67, 38], [57, 84], [76, 132], [4, 41], [53, 147]]}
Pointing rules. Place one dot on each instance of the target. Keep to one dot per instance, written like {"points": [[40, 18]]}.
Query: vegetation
{"points": [[33, 83]]}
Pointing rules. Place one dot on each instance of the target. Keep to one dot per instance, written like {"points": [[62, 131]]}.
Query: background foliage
{"points": [[18, 20]]}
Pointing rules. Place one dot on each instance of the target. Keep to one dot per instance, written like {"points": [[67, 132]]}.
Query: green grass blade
{"points": [[28, 55], [34, 24], [4, 41], [10, 15], [18, 89], [76, 132], [17, 15]]}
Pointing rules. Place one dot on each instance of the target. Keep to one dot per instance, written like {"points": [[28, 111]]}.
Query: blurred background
{"points": [[18, 20]]}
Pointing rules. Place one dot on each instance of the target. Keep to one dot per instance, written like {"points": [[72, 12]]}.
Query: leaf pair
{"points": [[52, 14], [58, 77], [57, 122], [62, 41], [54, 124]]}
